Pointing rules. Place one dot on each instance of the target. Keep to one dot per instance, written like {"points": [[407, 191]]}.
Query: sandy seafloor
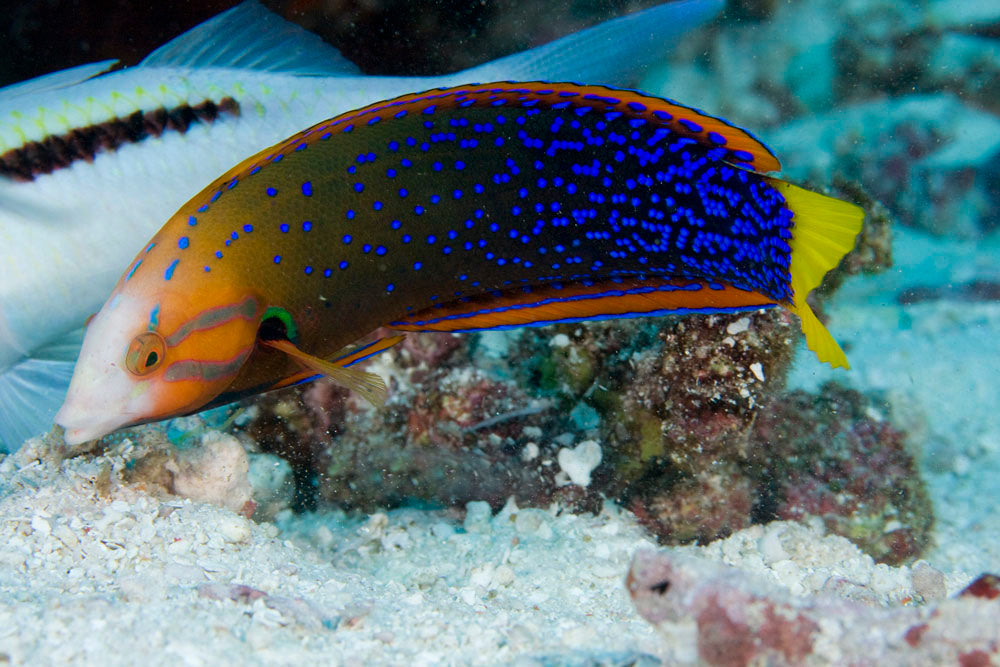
{"points": [[121, 579]]}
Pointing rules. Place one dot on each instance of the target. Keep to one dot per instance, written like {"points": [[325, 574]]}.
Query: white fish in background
{"points": [[93, 163]]}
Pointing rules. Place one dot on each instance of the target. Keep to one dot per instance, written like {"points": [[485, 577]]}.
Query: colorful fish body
{"points": [[91, 166], [480, 206]]}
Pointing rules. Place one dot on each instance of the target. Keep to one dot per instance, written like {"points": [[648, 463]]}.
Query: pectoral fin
{"points": [[370, 386]]}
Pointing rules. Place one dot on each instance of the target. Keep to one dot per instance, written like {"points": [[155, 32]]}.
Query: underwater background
{"points": [[490, 511]]}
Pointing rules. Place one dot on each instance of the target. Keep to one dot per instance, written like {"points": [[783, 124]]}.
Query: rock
{"points": [[580, 461], [215, 472], [477, 517], [928, 582], [234, 529]]}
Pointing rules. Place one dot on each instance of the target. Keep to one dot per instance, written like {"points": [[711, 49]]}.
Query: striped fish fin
{"points": [[55, 81], [355, 356], [583, 301], [32, 389], [250, 36]]}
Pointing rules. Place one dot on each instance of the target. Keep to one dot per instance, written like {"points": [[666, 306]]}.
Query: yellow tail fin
{"points": [[824, 231]]}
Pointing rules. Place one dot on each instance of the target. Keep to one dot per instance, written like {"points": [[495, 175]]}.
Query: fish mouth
{"points": [[80, 427]]}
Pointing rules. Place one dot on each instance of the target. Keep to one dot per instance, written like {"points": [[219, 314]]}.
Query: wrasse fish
{"points": [[480, 206], [93, 161]]}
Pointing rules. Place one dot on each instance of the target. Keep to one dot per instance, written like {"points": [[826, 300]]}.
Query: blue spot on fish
{"points": [[691, 125], [133, 270], [717, 138]]}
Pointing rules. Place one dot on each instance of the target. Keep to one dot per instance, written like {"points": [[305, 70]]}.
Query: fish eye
{"points": [[145, 353]]}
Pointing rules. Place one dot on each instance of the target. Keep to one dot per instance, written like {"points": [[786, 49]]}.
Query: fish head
{"points": [[153, 354]]}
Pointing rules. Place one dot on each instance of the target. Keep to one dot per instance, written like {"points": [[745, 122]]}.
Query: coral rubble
{"points": [[681, 420], [734, 619]]}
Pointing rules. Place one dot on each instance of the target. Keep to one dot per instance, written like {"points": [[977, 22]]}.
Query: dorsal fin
{"points": [[249, 36], [686, 123], [56, 80], [613, 52]]}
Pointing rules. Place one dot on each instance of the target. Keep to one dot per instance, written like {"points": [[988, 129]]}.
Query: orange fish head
{"points": [[150, 355]]}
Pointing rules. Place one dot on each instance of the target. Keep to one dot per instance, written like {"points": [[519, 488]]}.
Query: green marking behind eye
{"points": [[291, 331]]}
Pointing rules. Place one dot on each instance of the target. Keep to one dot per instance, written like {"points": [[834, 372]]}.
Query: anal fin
{"points": [[574, 302], [359, 354]]}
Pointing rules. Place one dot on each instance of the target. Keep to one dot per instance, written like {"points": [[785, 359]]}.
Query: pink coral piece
{"points": [[737, 619]]}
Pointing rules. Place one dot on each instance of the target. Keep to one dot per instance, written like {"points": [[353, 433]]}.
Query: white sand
{"points": [[88, 579]]}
